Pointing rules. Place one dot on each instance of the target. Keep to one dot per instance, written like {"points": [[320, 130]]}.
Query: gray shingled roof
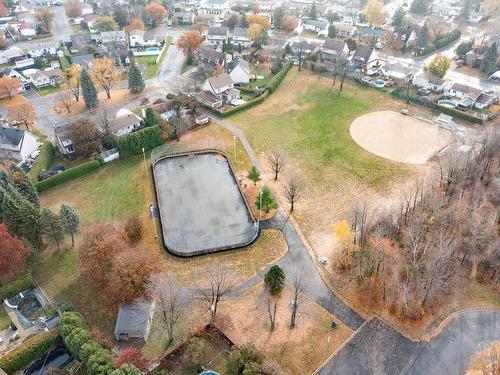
{"points": [[220, 81], [133, 319], [240, 32], [217, 31], [362, 54], [11, 136], [334, 44]]}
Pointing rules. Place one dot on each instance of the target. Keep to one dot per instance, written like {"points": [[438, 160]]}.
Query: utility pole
{"points": [[145, 163]]}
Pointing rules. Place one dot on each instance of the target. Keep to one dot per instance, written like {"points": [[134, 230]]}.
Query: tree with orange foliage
{"points": [[375, 12], [289, 23], [105, 73], [254, 31], [4, 11], [189, 42], [73, 8], [132, 356], [135, 24], [24, 114], [261, 20], [9, 86], [154, 14], [128, 275], [13, 253], [45, 17]]}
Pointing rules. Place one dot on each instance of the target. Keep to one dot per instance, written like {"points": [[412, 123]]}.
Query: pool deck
{"points": [[202, 209]]}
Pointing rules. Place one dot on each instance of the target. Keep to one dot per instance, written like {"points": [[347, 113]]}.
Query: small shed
{"points": [[110, 155], [134, 321]]}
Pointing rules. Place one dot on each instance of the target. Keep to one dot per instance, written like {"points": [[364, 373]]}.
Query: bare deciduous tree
{"points": [[220, 283], [293, 189], [277, 159], [64, 100], [171, 300], [298, 294]]}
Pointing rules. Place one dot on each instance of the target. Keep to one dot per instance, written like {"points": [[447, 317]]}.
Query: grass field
{"points": [[150, 61], [48, 90], [4, 319], [310, 120]]}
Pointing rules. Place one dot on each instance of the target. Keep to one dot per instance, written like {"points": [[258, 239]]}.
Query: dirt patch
{"points": [[298, 351], [397, 137], [117, 96]]}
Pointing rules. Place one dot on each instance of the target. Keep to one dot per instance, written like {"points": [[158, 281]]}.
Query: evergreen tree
{"points": [[279, 14], [398, 19], [423, 37], [24, 185], [88, 90], [70, 220], [135, 80], [265, 200], [464, 47], [313, 14], [332, 31], [419, 6], [254, 175], [490, 59], [120, 16], [243, 21], [274, 280], [151, 117], [52, 227]]}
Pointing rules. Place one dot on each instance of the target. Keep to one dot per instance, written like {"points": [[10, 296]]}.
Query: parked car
{"points": [[423, 92], [366, 79], [14, 337], [50, 172]]}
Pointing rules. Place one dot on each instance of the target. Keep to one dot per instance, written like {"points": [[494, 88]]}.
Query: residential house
{"points": [[333, 49], [304, 48], [345, 30], [115, 38], [89, 20], [11, 55], [39, 79], [365, 57], [63, 140], [222, 89], [214, 6], [209, 56], [396, 71], [470, 96], [125, 122], [82, 60], [240, 37], [44, 51], [217, 35], [81, 41], [134, 321], [239, 70], [139, 38], [315, 26], [27, 30], [25, 63], [16, 144], [184, 18], [444, 10], [55, 75], [24, 7], [164, 107], [429, 82], [12, 73], [369, 34], [406, 36]]}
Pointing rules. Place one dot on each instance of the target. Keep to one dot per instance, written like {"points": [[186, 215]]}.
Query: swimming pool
{"points": [[447, 103], [152, 49]]}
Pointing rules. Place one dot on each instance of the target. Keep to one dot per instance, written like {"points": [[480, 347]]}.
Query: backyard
{"points": [[150, 61]]}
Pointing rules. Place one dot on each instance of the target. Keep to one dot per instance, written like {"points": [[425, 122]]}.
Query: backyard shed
{"points": [[134, 321]]}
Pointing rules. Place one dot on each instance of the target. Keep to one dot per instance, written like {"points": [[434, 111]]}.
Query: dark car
{"points": [[50, 172]]}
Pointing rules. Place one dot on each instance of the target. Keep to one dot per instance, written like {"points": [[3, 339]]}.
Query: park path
{"points": [[297, 260]]}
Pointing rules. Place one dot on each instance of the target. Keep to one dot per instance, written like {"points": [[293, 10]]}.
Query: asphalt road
{"points": [[378, 349]]}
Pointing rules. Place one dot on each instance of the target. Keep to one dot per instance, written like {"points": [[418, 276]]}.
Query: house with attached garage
{"points": [[184, 18], [217, 90], [333, 49], [239, 70], [125, 122], [240, 37], [16, 144], [216, 35], [396, 71], [345, 30], [429, 82], [45, 78], [470, 96], [365, 58], [139, 38], [63, 140]]}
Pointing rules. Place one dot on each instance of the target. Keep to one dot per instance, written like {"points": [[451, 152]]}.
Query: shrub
{"points": [[67, 175], [18, 285], [276, 80], [25, 353], [43, 161], [133, 143], [134, 230]]}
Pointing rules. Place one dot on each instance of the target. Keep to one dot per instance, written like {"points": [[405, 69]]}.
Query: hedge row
{"points": [[273, 84], [30, 349], [43, 161], [77, 337], [67, 175], [440, 43], [247, 105], [15, 286], [460, 114], [133, 143]]}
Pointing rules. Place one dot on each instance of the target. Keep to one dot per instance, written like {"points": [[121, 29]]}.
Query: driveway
{"points": [[378, 349]]}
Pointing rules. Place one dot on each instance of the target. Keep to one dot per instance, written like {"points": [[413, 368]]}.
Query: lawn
{"points": [[311, 122], [150, 61], [260, 70], [4, 319], [48, 90], [63, 60]]}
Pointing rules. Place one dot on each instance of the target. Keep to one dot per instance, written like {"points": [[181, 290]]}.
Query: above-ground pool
{"points": [[202, 209], [447, 103], [152, 49], [209, 372], [58, 357]]}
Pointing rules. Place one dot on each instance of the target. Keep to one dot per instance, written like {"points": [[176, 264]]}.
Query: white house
{"points": [[137, 38], [429, 81], [217, 89], [239, 70], [396, 71], [219, 84], [315, 25], [39, 79], [470, 96], [16, 144], [184, 18], [215, 6], [333, 50], [406, 36], [345, 30], [217, 35], [63, 140], [240, 37], [27, 30], [115, 36], [165, 108], [10, 55], [125, 122]]}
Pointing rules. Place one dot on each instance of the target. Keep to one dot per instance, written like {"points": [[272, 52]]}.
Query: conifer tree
{"points": [[88, 90], [135, 80]]}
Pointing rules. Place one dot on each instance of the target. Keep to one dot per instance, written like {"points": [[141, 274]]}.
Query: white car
{"points": [[323, 261]]}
